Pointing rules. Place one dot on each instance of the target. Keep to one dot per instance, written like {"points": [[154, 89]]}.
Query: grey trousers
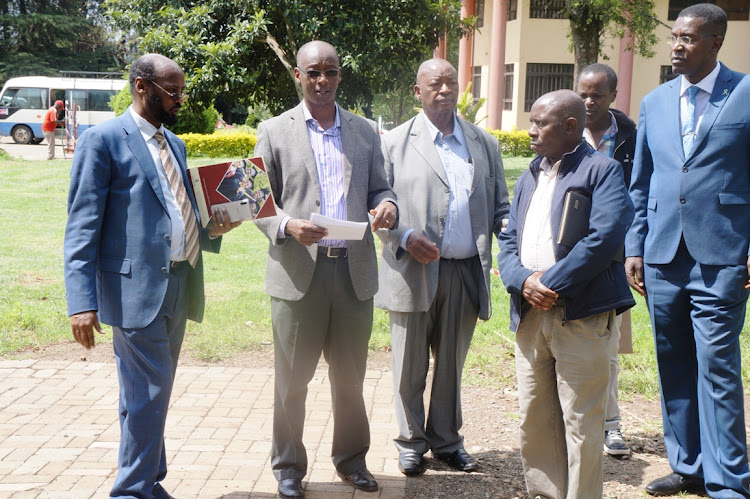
{"points": [[445, 330], [328, 319], [563, 373]]}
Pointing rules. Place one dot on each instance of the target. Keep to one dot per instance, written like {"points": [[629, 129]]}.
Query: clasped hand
{"points": [[537, 294]]}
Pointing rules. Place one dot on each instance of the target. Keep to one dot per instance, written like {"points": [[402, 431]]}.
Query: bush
{"points": [[514, 143], [224, 144], [192, 118]]}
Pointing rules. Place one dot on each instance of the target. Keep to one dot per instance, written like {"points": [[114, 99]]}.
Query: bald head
{"points": [[314, 50], [150, 66], [432, 66], [557, 122], [158, 87]]}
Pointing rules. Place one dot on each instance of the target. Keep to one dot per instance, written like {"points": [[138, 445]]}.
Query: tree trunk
{"points": [[282, 55], [586, 29]]}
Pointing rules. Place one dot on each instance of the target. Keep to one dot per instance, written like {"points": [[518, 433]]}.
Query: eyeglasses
{"points": [[172, 95], [314, 74], [685, 41]]}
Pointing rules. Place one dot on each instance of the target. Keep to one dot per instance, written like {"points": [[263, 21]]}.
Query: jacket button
{"points": [[442, 220], [164, 270], [167, 237], [317, 202], [683, 200], [684, 169], [447, 190]]}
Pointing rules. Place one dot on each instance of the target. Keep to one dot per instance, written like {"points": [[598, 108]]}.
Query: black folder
{"points": [[574, 225]]}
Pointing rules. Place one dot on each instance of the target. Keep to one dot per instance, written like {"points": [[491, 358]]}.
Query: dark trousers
{"points": [[328, 319], [697, 313], [146, 364]]}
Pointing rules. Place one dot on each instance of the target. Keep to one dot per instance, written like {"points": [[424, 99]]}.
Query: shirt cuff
{"points": [[405, 238], [282, 227]]}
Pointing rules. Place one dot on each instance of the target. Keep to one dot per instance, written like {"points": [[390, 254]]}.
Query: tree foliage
{"points": [[246, 50], [41, 37], [592, 20]]}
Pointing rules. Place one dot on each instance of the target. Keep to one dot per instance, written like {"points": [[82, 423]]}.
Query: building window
{"points": [[512, 9], [547, 9], [508, 95], [479, 12], [737, 10], [666, 74], [476, 83], [543, 78]]}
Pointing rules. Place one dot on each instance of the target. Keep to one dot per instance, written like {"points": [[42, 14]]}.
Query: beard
{"points": [[156, 108]]}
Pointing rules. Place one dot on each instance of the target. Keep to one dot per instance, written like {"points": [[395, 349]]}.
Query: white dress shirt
{"points": [[537, 250], [701, 98], [177, 243]]}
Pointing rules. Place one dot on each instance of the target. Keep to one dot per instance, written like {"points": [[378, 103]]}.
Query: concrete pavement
{"points": [[59, 433], [31, 152]]}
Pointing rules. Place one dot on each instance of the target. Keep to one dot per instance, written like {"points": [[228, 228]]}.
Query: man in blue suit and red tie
{"points": [[687, 252], [133, 260]]}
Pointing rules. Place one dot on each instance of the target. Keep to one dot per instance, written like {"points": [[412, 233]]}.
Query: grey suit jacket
{"points": [[417, 176], [284, 144]]}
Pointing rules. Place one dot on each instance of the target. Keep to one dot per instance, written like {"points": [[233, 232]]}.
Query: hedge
{"points": [[240, 144], [514, 143], [220, 144]]}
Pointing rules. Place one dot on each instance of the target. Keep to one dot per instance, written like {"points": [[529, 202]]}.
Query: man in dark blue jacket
{"points": [[564, 298]]}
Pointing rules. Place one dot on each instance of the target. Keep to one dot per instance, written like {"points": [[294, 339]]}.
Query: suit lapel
{"points": [[183, 171], [300, 138], [424, 146], [475, 153], [673, 115], [722, 88], [348, 149], [137, 146]]}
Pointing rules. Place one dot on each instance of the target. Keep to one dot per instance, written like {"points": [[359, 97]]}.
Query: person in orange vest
{"points": [[49, 124]]}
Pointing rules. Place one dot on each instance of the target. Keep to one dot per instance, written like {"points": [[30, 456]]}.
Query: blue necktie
{"points": [[688, 128]]}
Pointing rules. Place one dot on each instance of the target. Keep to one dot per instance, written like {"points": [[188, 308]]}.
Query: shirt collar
{"points": [[458, 133], [706, 84], [309, 117], [147, 129]]}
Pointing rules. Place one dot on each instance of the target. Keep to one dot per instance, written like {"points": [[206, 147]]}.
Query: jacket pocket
{"points": [[734, 198], [116, 265], [720, 126], [652, 204]]}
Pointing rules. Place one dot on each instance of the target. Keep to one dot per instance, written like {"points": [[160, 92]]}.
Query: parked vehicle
{"points": [[25, 100]]}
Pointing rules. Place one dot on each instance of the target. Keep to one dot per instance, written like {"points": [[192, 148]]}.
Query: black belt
{"points": [[330, 252], [178, 265]]}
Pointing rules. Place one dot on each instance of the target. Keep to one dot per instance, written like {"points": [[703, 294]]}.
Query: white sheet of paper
{"points": [[340, 229]]}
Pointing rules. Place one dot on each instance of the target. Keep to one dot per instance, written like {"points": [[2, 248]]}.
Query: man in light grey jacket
{"points": [[434, 276]]}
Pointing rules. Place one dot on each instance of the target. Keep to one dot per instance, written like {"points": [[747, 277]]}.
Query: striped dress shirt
{"points": [[329, 161]]}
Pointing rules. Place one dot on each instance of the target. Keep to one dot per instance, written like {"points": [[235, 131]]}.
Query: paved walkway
{"points": [[59, 433]]}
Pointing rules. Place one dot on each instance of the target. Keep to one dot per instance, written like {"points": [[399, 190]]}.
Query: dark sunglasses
{"points": [[314, 74]]}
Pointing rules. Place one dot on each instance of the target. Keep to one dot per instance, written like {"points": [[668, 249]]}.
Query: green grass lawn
{"points": [[33, 308]]}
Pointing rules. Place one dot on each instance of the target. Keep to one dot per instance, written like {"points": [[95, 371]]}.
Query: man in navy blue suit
{"points": [[133, 260], [687, 252]]}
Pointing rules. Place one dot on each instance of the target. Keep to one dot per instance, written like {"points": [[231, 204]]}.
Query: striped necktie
{"points": [[688, 128], [192, 243]]}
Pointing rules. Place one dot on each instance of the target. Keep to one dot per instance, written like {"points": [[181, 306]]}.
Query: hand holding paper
{"points": [[340, 229]]}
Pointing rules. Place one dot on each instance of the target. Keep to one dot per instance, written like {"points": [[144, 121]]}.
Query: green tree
{"points": [[246, 50], [591, 20], [41, 37]]}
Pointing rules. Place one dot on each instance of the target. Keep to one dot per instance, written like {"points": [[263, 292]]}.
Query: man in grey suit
{"points": [[435, 270], [321, 159]]}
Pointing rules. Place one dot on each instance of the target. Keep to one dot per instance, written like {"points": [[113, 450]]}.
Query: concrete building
{"points": [[521, 51]]}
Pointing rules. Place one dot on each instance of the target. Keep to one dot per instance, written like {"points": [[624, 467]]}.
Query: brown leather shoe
{"points": [[360, 479], [460, 460], [673, 484]]}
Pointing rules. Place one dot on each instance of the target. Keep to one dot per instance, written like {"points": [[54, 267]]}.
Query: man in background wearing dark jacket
{"points": [[564, 298], [612, 133]]}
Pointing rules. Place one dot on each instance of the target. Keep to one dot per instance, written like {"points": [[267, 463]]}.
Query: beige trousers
{"points": [[563, 373], [50, 136]]}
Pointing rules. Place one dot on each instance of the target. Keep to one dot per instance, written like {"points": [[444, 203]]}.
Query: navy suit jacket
{"points": [[117, 239], [705, 197]]}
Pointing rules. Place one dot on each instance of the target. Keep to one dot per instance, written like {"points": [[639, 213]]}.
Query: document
{"points": [[340, 229]]}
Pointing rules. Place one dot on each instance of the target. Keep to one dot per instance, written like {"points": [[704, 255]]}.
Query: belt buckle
{"points": [[329, 254], [175, 263]]}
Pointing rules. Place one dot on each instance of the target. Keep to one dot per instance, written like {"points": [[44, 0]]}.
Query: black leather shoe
{"points": [[360, 479], [159, 492], [673, 484], [290, 488], [460, 460], [411, 463]]}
